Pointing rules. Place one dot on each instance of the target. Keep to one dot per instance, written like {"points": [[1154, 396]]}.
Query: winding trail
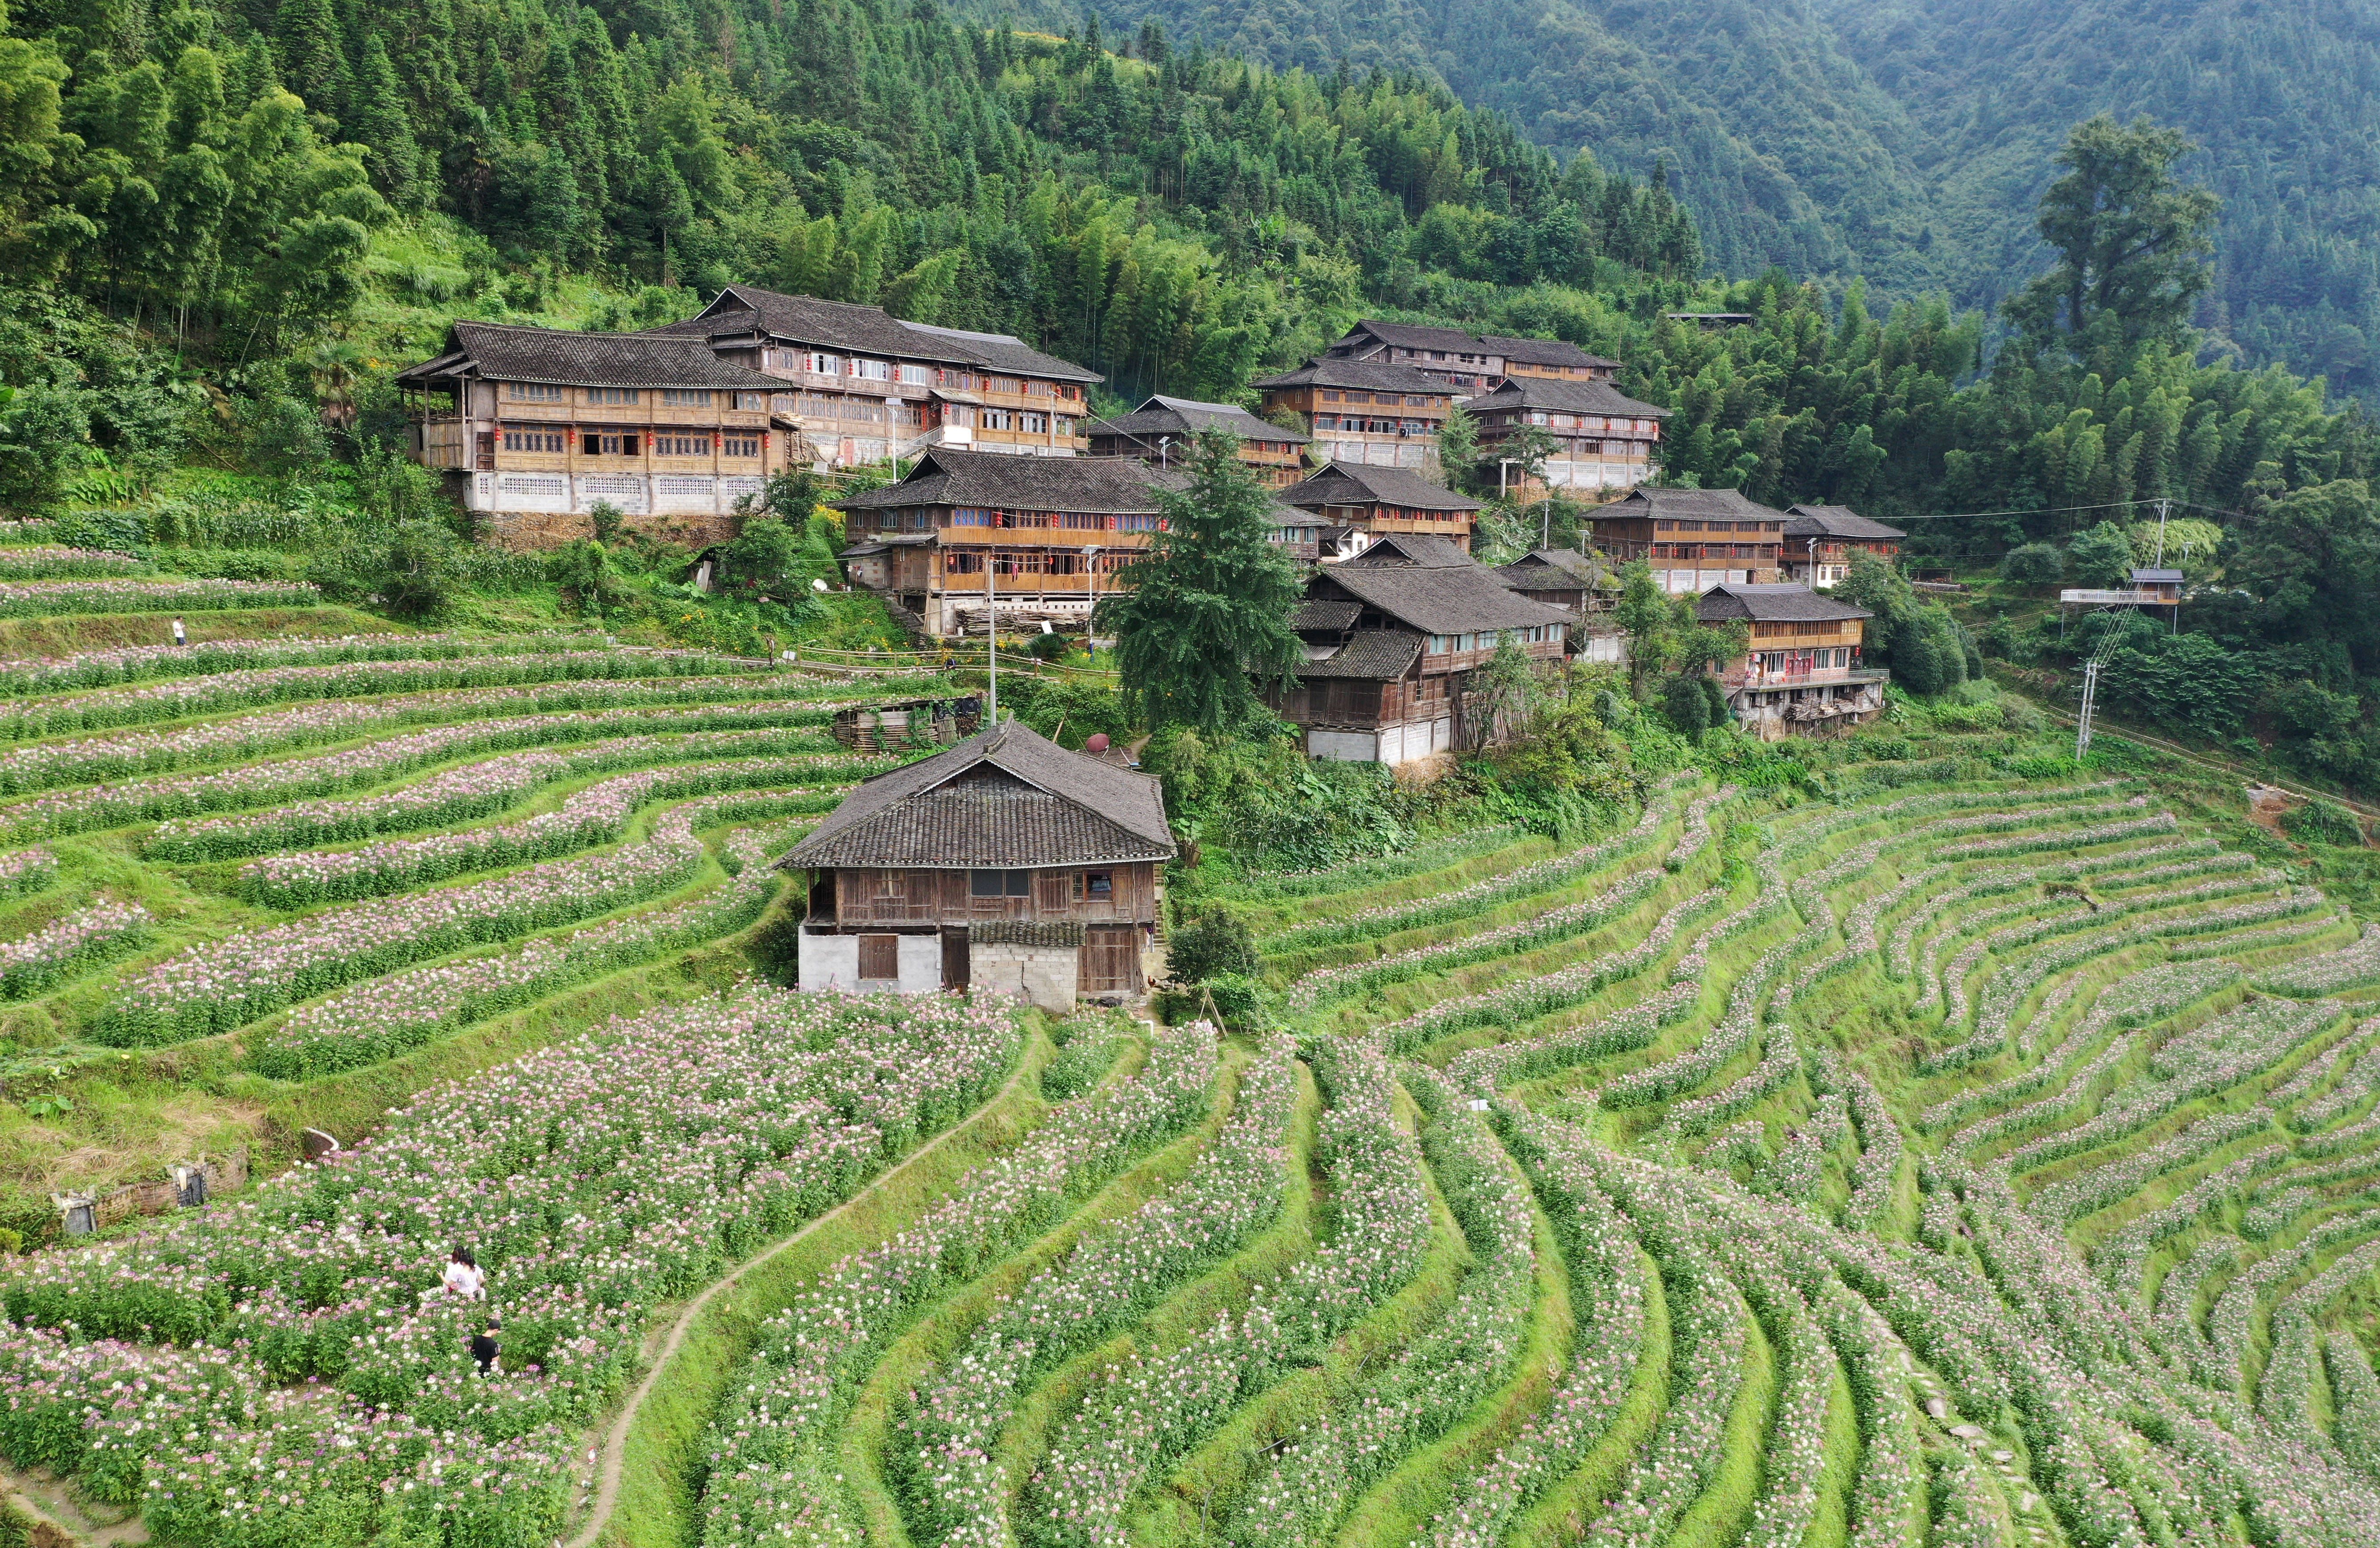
{"points": [[616, 1443]]}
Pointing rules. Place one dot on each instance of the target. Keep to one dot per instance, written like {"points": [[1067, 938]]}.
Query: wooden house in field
{"points": [[1393, 637], [1800, 673], [866, 386], [1470, 364], [1820, 541], [1603, 439], [1694, 539], [1005, 864], [1382, 500], [532, 428], [1363, 413], [1162, 430]]}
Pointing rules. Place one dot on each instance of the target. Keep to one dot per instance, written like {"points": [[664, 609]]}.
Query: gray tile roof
{"points": [[1183, 416], [1766, 605], [1369, 652], [844, 326], [1555, 568], [1834, 521], [1528, 352], [1098, 485], [1437, 599], [1730, 505], [1566, 398], [1041, 806], [1377, 375], [1411, 548], [1324, 614], [1347, 483], [509, 352]]}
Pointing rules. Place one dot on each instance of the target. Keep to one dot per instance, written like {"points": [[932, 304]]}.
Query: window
{"points": [[999, 883], [686, 398], [879, 958], [533, 440], [1063, 425], [999, 418], [914, 375], [1360, 398], [739, 445], [1329, 397], [752, 403], [624, 444], [968, 517], [872, 370], [533, 392], [1040, 389], [612, 394], [824, 365], [681, 445], [1415, 400], [1035, 424]]}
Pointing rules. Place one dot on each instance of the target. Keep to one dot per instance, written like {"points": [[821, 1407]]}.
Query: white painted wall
{"points": [[832, 962], [1345, 747]]}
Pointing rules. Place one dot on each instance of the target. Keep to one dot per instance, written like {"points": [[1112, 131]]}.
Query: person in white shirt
{"points": [[464, 1278]]}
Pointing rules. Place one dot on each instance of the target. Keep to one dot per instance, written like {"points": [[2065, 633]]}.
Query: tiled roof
{"points": [[1347, 483], [1369, 652], [1528, 352], [1007, 352], [1411, 548], [509, 352], [1324, 614], [1184, 416], [1725, 504], [1764, 604], [1439, 599], [841, 325], [1101, 485], [1834, 521], [1356, 374], [1567, 397], [1554, 567], [1042, 806]]}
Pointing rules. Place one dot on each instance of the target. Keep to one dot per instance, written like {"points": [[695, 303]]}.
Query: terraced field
{"points": [[1947, 1158]]}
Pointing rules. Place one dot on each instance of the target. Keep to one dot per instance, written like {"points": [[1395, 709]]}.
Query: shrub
{"points": [[2320, 821], [2034, 563], [1685, 704], [1214, 945], [2102, 557]]}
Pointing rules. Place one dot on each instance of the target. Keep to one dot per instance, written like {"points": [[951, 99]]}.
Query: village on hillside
{"points": [[1011, 508]]}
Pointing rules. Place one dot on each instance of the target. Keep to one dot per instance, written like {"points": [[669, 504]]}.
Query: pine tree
{"points": [[1204, 623]]}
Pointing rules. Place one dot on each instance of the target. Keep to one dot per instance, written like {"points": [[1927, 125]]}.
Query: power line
{"points": [[2070, 510]]}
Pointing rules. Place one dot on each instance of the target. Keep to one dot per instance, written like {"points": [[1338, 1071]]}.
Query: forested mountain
{"points": [[1907, 140]]}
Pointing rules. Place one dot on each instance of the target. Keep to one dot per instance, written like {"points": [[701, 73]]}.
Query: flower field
{"points": [[1926, 1156]]}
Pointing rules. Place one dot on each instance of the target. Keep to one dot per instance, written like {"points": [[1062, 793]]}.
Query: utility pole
{"points": [[992, 635], [2083, 721]]}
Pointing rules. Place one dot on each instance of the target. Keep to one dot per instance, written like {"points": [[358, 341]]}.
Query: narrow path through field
{"points": [[608, 1474]]}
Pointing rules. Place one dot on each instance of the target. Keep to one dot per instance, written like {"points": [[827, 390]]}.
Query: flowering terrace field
{"points": [[1941, 1157]]}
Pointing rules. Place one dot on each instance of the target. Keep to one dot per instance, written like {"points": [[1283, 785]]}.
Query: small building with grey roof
{"points": [[1162, 430], [1005, 864], [1820, 541], [1379, 501], [1470, 364], [1601, 439], [1800, 672], [1395, 638], [1693, 539], [1362, 412]]}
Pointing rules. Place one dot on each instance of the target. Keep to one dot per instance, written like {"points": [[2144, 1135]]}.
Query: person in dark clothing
{"points": [[484, 1349]]}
